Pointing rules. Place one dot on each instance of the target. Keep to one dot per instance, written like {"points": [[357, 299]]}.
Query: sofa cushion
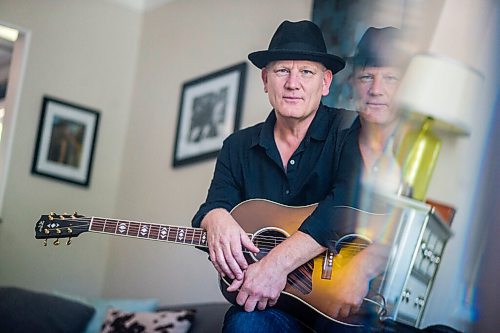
{"points": [[162, 321], [102, 305], [27, 311]]}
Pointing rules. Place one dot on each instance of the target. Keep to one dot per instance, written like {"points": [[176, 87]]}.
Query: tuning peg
{"points": [[46, 231], [56, 242], [58, 231], [69, 241], [69, 230], [45, 242], [75, 214], [61, 217], [51, 216]]}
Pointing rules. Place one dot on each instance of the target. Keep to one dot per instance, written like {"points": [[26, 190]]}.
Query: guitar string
{"points": [[136, 227], [262, 240]]}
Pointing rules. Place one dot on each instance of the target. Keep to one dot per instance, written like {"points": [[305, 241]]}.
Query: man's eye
{"points": [[365, 78], [391, 79], [282, 71], [306, 72]]}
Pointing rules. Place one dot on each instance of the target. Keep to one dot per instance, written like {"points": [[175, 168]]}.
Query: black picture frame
{"points": [[66, 140], [209, 110]]}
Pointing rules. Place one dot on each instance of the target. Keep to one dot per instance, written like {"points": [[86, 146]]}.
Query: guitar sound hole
{"points": [[266, 240], [354, 243]]}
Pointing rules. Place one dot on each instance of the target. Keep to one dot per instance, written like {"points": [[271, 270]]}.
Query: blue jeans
{"points": [[269, 320], [272, 320]]}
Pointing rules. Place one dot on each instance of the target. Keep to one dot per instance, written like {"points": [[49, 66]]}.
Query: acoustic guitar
{"points": [[268, 223]]}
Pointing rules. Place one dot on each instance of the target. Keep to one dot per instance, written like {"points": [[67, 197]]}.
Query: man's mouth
{"points": [[376, 104]]}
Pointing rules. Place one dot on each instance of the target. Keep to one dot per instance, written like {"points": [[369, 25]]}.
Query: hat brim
{"points": [[261, 58]]}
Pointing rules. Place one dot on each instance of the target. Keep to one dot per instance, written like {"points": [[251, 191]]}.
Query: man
{"points": [[368, 160], [378, 65], [292, 159]]}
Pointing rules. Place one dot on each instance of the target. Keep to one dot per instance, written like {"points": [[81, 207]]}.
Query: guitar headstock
{"points": [[60, 226]]}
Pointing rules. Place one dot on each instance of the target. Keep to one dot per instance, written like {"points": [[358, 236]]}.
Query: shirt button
{"points": [[292, 162], [287, 192]]}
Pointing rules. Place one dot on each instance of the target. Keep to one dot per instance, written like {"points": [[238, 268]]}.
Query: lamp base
{"points": [[418, 156]]}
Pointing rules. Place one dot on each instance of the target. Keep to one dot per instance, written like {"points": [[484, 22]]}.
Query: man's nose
{"points": [[293, 80], [376, 87]]}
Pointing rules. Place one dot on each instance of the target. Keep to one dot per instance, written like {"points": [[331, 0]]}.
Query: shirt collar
{"points": [[317, 131], [320, 125], [265, 137]]}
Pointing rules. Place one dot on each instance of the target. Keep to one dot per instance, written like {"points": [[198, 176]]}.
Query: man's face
{"points": [[374, 91], [295, 87]]}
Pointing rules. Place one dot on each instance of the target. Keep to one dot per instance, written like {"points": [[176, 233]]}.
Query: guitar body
{"points": [[306, 293]]}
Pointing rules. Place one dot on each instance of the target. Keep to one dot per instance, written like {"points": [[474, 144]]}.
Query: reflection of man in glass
{"points": [[208, 115], [66, 142]]}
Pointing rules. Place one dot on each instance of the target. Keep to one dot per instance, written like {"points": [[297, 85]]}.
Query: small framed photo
{"points": [[209, 111], [65, 142]]}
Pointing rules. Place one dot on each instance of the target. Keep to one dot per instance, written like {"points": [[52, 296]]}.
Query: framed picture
{"points": [[65, 141], [209, 111]]}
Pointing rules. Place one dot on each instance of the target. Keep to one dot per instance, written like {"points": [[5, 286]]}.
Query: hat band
{"points": [[297, 47]]}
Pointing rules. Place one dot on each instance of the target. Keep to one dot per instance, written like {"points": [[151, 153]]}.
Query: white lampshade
{"points": [[441, 88]]}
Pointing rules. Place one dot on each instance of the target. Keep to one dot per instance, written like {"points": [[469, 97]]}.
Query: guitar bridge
{"points": [[326, 272]]}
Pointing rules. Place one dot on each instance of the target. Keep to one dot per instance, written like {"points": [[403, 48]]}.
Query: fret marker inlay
{"points": [[122, 228]]}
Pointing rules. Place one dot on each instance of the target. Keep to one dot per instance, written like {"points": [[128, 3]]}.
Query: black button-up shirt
{"points": [[249, 166]]}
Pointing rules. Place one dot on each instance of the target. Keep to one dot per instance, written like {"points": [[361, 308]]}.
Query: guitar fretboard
{"points": [[160, 232]]}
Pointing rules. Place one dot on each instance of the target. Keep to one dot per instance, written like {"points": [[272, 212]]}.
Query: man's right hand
{"points": [[225, 242]]}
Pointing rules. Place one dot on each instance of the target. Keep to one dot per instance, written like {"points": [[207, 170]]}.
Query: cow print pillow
{"points": [[144, 322]]}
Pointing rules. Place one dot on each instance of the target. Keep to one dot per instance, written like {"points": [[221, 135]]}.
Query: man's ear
{"points": [[327, 81], [263, 75]]}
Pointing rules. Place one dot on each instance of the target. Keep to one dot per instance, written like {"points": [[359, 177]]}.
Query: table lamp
{"points": [[437, 93]]}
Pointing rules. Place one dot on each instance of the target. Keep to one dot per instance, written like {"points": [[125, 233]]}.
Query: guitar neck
{"points": [[152, 231]]}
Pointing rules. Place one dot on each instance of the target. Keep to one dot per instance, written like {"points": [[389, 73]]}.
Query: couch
{"points": [[208, 317], [23, 310]]}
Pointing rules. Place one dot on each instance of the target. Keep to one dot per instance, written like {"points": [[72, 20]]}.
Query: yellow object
{"points": [[418, 155]]}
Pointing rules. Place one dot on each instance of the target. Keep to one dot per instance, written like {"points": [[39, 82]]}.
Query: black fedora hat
{"points": [[297, 41], [381, 47]]}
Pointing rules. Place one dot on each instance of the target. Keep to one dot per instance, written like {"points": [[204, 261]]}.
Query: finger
{"points": [[272, 302], [345, 311], [334, 311], [250, 304], [248, 244], [241, 298], [213, 260], [233, 265], [355, 308], [262, 304], [235, 285], [221, 261], [239, 258]]}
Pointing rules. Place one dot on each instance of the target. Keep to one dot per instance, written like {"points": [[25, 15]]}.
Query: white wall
{"points": [[181, 41], [77, 55]]}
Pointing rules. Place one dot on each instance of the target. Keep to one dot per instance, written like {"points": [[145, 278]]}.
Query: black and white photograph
{"points": [[209, 111]]}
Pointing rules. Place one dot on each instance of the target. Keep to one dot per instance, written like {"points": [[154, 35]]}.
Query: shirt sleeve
{"points": [[332, 219], [224, 191]]}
